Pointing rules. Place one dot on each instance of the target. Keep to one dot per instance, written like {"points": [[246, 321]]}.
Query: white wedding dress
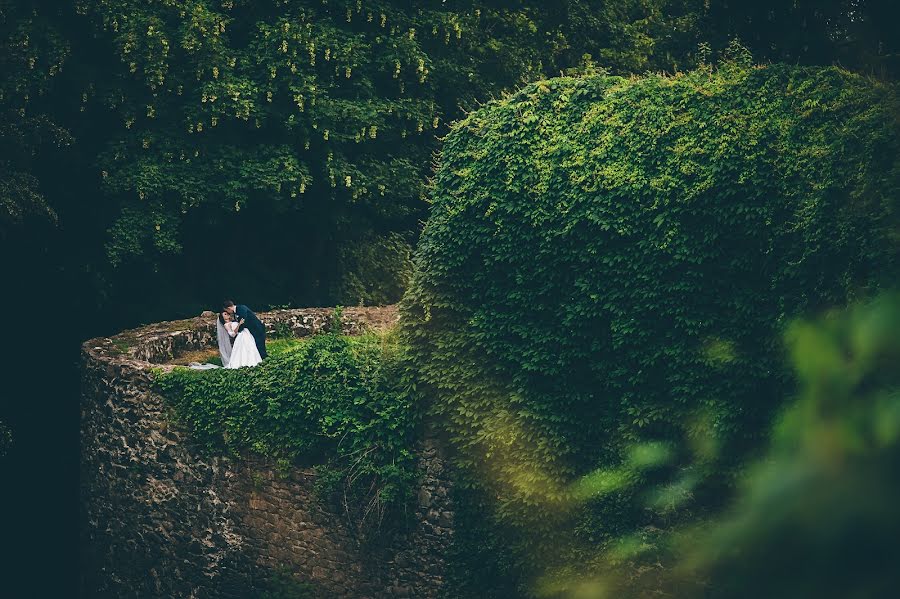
{"points": [[243, 352]]}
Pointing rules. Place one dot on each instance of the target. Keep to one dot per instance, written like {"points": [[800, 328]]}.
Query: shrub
{"points": [[339, 402], [611, 261]]}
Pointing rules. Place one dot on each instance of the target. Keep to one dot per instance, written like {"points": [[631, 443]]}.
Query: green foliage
{"points": [[282, 330], [304, 128], [177, 125], [857, 35], [610, 262], [229, 105], [335, 321], [823, 500], [816, 515], [339, 402], [374, 271], [32, 54]]}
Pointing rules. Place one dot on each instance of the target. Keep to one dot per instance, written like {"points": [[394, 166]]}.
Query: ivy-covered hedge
{"points": [[340, 403], [610, 261]]}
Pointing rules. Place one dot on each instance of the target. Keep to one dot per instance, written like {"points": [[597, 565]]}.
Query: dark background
{"points": [[45, 315]]}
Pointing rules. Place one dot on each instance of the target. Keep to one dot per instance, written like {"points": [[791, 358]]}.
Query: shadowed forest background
{"points": [[156, 157]]}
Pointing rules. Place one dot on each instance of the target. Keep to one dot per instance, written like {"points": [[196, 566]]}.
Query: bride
{"points": [[243, 351]]}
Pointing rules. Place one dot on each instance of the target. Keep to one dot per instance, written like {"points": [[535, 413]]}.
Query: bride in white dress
{"points": [[243, 352]]}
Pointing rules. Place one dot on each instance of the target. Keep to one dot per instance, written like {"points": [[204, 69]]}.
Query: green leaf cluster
{"points": [[292, 104], [610, 262], [340, 403], [32, 55]]}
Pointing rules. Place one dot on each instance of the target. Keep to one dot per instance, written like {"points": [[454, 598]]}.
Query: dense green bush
{"points": [[342, 403], [611, 261]]}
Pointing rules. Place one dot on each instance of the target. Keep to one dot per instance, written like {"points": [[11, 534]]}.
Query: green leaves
{"points": [[334, 401], [618, 267]]}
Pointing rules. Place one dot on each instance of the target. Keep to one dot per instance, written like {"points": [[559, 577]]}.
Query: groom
{"points": [[248, 320]]}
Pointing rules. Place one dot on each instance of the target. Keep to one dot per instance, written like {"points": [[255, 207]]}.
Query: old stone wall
{"points": [[161, 519]]}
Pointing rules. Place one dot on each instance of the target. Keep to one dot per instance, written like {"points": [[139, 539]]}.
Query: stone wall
{"points": [[161, 519]]}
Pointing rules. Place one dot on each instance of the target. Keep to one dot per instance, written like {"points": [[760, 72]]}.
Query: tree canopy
{"points": [[153, 132]]}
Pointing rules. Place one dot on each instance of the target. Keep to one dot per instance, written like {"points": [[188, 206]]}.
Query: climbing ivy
{"points": [[342, 404], [610, 261]]}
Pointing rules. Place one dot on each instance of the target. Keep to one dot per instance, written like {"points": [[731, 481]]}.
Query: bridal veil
{"points": [[224, 342]]}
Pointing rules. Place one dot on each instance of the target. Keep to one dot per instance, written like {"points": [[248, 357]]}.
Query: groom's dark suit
{"points": [[254, 325]]}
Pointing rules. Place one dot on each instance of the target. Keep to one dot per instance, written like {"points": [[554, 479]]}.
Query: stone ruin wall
{"points": [[161, 519]]}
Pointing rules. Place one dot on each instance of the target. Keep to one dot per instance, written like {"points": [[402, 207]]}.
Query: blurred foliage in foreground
{"points": [[817, 516]]}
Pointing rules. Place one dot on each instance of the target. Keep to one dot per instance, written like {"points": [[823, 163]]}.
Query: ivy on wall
{"points": [[609, 262], [340, 403]]}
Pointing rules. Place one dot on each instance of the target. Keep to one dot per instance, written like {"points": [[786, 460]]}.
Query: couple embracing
{"points": [[241, 335]]}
